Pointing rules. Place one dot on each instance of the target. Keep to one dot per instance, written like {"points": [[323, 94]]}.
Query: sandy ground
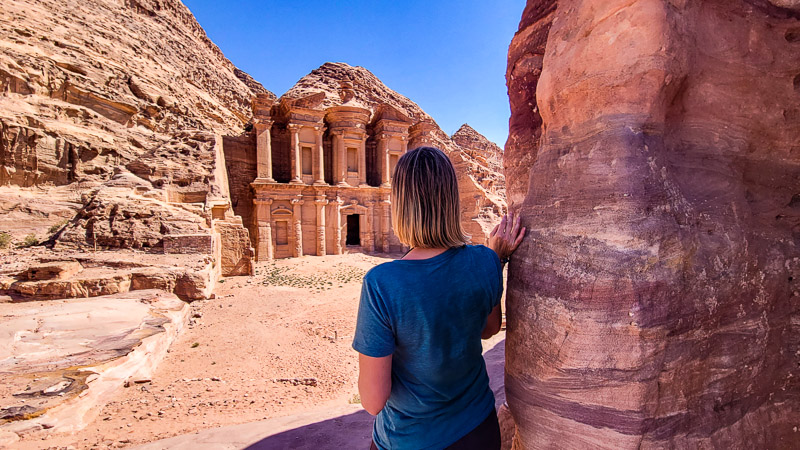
{"points": [[272, 345]]}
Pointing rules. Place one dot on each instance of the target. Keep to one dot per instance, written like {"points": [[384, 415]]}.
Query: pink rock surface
{"points": [[654, 303]]}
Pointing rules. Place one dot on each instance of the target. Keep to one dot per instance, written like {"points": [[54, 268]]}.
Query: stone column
{"points": [[386, 222], [296, 162], [362, 162], [264, 248], [297, 216], [340, 156], [383, 160], [319, 156], [369, 235], [264, 150], [321, 202], [404, 147], [337, 249]]}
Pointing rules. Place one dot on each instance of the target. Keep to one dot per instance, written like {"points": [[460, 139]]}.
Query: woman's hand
{"points": [[506, 236]]}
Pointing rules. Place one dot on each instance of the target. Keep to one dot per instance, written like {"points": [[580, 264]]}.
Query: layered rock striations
{"points": [[654, 302], [88, 89], [525, 57], [117, 106], [485, 158]]}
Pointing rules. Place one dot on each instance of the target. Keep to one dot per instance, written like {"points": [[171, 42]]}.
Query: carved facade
{"points": [[323, 177]]}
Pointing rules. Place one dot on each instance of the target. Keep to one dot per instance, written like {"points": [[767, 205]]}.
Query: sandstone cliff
{"points": [[654, 302], [477, 164], [92, 88], [486, 160], [115, 106]]}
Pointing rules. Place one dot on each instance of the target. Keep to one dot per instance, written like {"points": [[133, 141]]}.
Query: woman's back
{"points": [[429, 315]]}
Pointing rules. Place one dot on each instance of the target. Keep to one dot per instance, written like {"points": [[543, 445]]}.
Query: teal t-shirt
{"points": [[429, 314]]}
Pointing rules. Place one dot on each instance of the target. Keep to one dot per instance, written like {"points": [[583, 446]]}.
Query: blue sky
{"points": [[447, 56]]}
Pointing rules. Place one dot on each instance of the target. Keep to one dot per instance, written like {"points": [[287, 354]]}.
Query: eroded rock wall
{"points": [[86, 89], [654, 302], [122, 102]]}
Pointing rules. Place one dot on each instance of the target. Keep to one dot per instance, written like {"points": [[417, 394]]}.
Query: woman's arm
{"points": [[493, 323], [374, 382]]}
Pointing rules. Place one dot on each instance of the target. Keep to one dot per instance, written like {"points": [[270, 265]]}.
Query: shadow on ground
{"points": [[353, 431], [344, 427], [495, 366]]}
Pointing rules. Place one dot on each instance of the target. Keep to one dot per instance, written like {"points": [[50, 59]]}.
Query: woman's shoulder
{"points": [[380, 271], [484, 254], [480, 249]]}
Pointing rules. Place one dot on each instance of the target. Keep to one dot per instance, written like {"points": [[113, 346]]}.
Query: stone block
{"points": [[189, 243], [55, 270]]}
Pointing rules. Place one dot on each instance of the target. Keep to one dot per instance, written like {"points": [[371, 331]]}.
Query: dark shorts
{"points": [[485, 436]]}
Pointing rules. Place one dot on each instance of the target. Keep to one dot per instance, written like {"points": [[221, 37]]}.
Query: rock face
{"points": [[87, 89], [485, 161], [121, 101], [655, 301], [66, 360]]}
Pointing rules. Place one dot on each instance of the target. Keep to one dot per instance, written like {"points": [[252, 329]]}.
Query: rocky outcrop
{"points": [[87, 89], [65, 274], [654, 302], [67, 360], [486, 161], [124, 101]]}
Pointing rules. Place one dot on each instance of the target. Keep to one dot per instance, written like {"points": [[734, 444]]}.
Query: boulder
{"points": [[655, 302], [54, 270]]}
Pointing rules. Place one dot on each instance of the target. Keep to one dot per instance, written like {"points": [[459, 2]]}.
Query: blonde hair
{"points": [[425, 203]]}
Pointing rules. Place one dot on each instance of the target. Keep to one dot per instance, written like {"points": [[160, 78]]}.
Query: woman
{"points": [[421, 318]]}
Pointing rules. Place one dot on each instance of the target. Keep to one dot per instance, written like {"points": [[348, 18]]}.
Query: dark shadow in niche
{"points": [[793, 35]]}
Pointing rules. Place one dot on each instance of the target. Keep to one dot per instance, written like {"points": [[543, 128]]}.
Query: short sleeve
{"points": [[374, 336], [498, 270]]}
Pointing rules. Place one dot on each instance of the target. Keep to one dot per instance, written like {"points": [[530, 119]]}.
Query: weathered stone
{"points": [[507, 427], [196, 284], [189, 243], [68, 359], [108, 118], [106, 284], [8, 438], [55, 270], [654, 302], [115, 217], [16, 413], [153, 278], [74, 108], [236, 254]]}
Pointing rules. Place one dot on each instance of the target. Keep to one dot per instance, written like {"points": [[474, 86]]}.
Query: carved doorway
{"points": [[353, 230]]}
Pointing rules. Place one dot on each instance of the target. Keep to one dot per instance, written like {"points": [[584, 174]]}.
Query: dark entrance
{"points": [[353, 230]]}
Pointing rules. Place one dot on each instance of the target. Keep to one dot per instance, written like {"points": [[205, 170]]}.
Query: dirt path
{"points": [[267, 346]]}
